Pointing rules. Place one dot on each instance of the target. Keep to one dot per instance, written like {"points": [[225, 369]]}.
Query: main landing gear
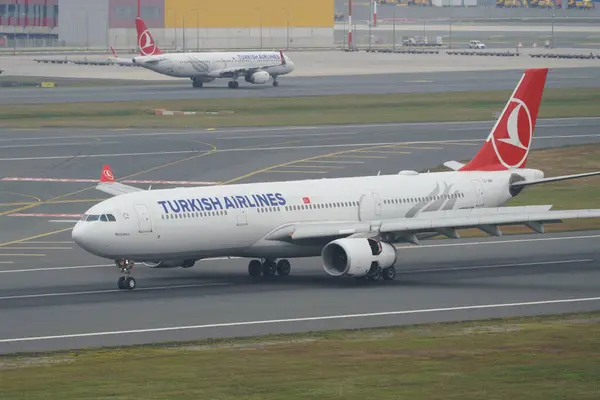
{"points": [[233, 84], [376, 273], [126, 281], [275, 82], [197, 82], [268, 267]]}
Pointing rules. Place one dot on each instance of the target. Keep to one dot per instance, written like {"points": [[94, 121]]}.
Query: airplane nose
{"points": [[81, 236]]}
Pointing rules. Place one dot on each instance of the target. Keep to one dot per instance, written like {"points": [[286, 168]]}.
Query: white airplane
{"points": [[124, 62], [255, 66], [351, 223]]}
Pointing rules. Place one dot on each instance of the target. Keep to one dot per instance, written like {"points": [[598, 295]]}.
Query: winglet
{"points": [[283, 62], [107, 174]]}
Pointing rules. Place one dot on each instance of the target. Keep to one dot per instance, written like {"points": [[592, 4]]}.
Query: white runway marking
{"points": [[160, 153], [33, 296], [53, 144], [54, 268], [291, 128], [302, 319], [530, 264]]}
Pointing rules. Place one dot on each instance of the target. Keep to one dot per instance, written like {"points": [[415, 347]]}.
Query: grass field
{"points": [[343, 109], [523, 358]]}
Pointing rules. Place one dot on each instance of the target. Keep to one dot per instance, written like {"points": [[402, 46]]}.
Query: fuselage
{"points": [[214, 64], [121, 61], [233, 220]]}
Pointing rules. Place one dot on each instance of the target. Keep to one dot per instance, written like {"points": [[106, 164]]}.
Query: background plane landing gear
{"points": [[127, 281], [233, 84]]}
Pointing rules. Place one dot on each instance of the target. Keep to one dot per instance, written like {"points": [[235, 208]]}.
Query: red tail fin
{"points": [[107, 175], [508, 144], [146, 43]]}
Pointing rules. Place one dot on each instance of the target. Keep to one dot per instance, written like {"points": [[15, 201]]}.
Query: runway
{"points": [[55, 296], [421, 82]]}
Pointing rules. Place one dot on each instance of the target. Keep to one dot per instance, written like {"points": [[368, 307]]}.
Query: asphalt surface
{"points": [[55, 296], [308, 86]]}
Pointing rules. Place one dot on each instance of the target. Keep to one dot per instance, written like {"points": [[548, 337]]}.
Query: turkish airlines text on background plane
{"points": [[350, 223], [255, 66]]}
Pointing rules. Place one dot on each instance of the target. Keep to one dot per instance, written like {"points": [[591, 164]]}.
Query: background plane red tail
{"points": [[146, 42], [509, 142]]}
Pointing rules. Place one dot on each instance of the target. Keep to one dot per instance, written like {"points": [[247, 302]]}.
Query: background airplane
{"points": [[351, 223], [256, 67], [125, 62]]}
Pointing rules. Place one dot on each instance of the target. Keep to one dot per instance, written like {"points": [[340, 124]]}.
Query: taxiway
{"points": [[55, 296]]}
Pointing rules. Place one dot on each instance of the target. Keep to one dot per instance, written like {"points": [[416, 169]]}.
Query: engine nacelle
{"points": [[169, 264], [355, 256], [258, 77]]}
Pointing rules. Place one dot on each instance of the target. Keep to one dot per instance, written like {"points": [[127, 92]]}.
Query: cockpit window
{"points": [[111, 217], [103, 218], [92, 218]]}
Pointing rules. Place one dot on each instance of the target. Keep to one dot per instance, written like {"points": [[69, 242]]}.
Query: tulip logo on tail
{"points": [[146, 44], [512, 143], [107, 175], [145, 41], [508, 144]]}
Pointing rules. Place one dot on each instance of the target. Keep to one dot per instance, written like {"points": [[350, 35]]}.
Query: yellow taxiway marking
{"points": [[399, 146], [315, 166], [22, 255], [334, 162], [386, 152], [298, 172], [34, 237], [214, 148], [43, 242], [356, 156], [36, 248]]}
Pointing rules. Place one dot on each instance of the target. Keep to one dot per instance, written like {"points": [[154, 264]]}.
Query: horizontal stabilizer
{"points": [[109, 185], [454, 165], [553, 179]]}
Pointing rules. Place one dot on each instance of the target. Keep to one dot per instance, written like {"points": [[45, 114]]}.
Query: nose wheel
{"points": [[126, 282]]}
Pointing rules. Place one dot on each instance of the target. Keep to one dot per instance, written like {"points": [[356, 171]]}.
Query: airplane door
{"points": [[369, 207], [479, 192], [144, 222], [242, 217]]}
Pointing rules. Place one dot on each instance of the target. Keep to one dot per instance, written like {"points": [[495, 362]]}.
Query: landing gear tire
{"points": [[233, 84], [269, 268], [388, 274], [376, 276], [254, 268], [283, 267], [126, 282], [275, 83]]}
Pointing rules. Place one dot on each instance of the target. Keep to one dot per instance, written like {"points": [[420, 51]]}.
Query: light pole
{"points": [[183, 30], [261, 28], [553, 16], [197, 30]]}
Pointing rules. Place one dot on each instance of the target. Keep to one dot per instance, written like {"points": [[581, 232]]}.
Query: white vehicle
{"points": [[351, 223], [124, 62], [255, 67], [476, 44]]}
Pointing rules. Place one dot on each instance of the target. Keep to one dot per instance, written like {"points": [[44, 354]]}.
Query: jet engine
{"points": [[258, 77], [169, 264], [355, 256]]}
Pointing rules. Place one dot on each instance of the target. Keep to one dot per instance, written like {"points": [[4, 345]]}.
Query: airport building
{"points": [[184, 24]]}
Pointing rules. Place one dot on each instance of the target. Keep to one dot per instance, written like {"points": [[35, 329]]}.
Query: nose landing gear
{"points": [[126, 281]]}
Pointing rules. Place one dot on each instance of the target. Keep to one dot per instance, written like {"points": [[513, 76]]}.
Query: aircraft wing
{"points": [[108, 184], [441, 222], [228, 72]]}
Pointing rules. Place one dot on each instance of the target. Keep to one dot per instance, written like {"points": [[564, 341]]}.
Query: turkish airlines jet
{"points": [[254, 66], [351, 223]]}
